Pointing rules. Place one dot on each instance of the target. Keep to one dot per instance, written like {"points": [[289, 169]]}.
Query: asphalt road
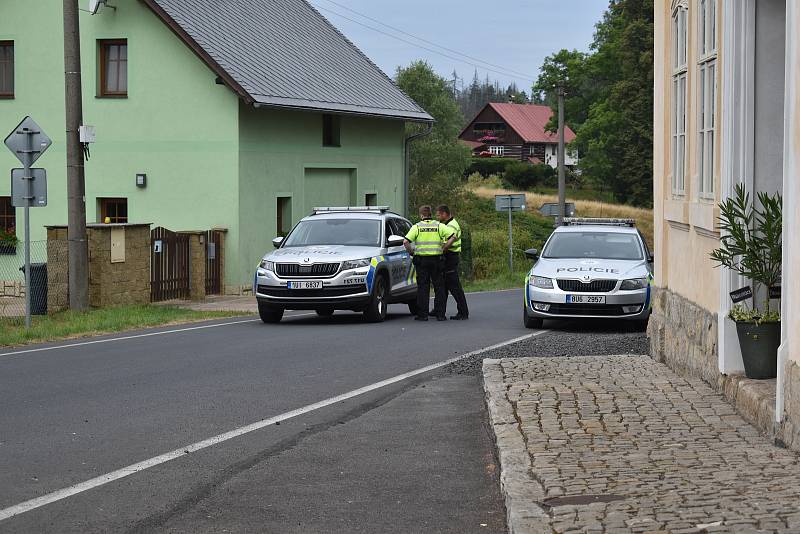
{"points": [[412, 456]]}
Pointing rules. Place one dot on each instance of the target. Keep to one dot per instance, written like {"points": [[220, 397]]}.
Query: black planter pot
{"points": [[759, 344]]}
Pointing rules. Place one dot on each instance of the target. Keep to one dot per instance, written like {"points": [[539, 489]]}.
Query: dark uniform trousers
{"points": [[430, 270], [452, 282]]}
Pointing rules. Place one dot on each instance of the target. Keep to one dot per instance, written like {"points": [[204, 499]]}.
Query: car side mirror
{"points": [[532, 254], [651, 258], [277, 242], [395, 241]]}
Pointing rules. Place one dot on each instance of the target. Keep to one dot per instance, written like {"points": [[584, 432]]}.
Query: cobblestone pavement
{"points": [[622, 444]]}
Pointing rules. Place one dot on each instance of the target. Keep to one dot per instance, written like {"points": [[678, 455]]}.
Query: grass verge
{"points": [[583, 208], [497, 282], [70, 324]]}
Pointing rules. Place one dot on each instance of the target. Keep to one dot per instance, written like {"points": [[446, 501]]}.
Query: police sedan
{"points": [[590, 268]]}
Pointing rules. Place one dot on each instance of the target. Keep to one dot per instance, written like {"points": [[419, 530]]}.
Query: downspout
{"points": [[406, 167]]}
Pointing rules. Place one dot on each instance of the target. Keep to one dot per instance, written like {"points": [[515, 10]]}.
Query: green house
{"points": [[208, 114]]}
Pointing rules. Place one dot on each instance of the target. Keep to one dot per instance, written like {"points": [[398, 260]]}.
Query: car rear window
{"points": [[352, 232], [600, 245]]}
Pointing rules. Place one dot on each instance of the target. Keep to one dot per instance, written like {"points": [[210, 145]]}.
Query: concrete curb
{"points": [[521, 491]]}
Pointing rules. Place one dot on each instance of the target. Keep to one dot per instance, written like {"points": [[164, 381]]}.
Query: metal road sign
{"points": [[27, 141], [550, 209], [19, 188], [509, 202]]}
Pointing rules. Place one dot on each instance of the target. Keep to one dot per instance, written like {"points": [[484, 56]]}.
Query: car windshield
{"points": [[352, 232], [601, 245]]}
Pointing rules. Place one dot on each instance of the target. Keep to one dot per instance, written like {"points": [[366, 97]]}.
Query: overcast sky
{"points": [[512, 35]]}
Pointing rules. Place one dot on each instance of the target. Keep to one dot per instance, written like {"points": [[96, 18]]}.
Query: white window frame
{"points": [[680, 21], [497, 150], [707, 96]]}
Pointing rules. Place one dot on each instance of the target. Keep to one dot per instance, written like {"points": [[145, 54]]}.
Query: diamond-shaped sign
{"points": [[27, 141]]}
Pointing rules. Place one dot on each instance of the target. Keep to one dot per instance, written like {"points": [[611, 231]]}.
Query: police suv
{"points": [[590, 268], [338, 259]]}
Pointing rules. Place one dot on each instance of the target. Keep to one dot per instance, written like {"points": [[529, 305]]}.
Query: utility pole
{"points": [[562, 186], [76, 186]]}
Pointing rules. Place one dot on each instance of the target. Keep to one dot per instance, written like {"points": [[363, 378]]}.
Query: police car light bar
{"points": [[585, 221], [328, 209]]}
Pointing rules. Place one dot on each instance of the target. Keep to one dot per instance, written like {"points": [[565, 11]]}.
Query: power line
{"points": [[394, 28], [460, 60]]}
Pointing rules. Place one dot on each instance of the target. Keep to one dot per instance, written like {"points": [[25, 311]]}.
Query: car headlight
{"points": [[355, 264], [267, 265], [541, 282], [634, 283]]}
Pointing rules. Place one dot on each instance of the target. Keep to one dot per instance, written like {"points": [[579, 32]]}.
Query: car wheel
{"points": [[324, 312], [412, 307], [270, 314], [376, 309], [640, 326], [531, 322]]}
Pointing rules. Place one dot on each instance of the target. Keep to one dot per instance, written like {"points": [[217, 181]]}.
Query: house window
{"points": [[497, 150], [113, 210], [284, 211], [8, 215], [113, 63], [371, 199], [678, 120], [6, 69], [706, 120], [331, 130]]}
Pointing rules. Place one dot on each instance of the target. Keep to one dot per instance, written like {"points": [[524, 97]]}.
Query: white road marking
{"points": [[102, 480], [137, 336], [173, 331]]}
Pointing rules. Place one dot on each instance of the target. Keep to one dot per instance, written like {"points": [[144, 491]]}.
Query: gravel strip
{"points": [[586, 339]]}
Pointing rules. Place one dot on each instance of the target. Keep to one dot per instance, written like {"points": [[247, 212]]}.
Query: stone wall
{"points": [[12, 288], [120, 283], [114, 283], [684, 336], [57, 270]]}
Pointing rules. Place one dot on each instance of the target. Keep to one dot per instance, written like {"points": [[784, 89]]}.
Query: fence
{"points": [[169, 265], [12, 277]]}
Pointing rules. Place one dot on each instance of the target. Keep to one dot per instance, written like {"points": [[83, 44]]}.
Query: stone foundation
{"points": [[790, 431], [684, 336]]}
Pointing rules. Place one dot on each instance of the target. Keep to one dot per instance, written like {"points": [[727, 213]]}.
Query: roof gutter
{"points": [[406, 167]]}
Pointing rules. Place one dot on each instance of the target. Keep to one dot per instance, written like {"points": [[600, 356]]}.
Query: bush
{"points": [[525, 176], [489, 236], [488, 166]]}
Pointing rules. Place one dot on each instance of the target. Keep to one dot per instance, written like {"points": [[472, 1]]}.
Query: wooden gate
{"points": [[213, 262], [169, 265]]}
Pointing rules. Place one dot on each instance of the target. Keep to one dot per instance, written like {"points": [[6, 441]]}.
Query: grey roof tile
{"points": [[284, 53]]}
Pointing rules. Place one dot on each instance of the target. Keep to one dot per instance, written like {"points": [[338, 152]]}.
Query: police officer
{"points": [[431, 239], [452, 283]]}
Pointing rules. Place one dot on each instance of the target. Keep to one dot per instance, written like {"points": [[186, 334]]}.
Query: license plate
{"points": [[305, 284], [586, 299]]}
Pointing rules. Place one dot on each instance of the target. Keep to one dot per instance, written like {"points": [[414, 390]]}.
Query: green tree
{"points": [[437, 161], [609, 100], [572, 69]]}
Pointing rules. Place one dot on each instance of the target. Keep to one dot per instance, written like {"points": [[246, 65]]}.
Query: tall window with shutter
{"points": [[707, 95], [678, 120]]}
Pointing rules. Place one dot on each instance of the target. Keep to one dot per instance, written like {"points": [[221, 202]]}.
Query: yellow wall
{"points": [[685, 231]]}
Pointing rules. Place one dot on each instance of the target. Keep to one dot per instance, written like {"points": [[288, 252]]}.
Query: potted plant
{"points": [[8, 241], [751, 245]]}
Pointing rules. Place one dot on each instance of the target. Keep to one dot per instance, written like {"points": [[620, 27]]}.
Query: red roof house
{"points": [[515, 131]]}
